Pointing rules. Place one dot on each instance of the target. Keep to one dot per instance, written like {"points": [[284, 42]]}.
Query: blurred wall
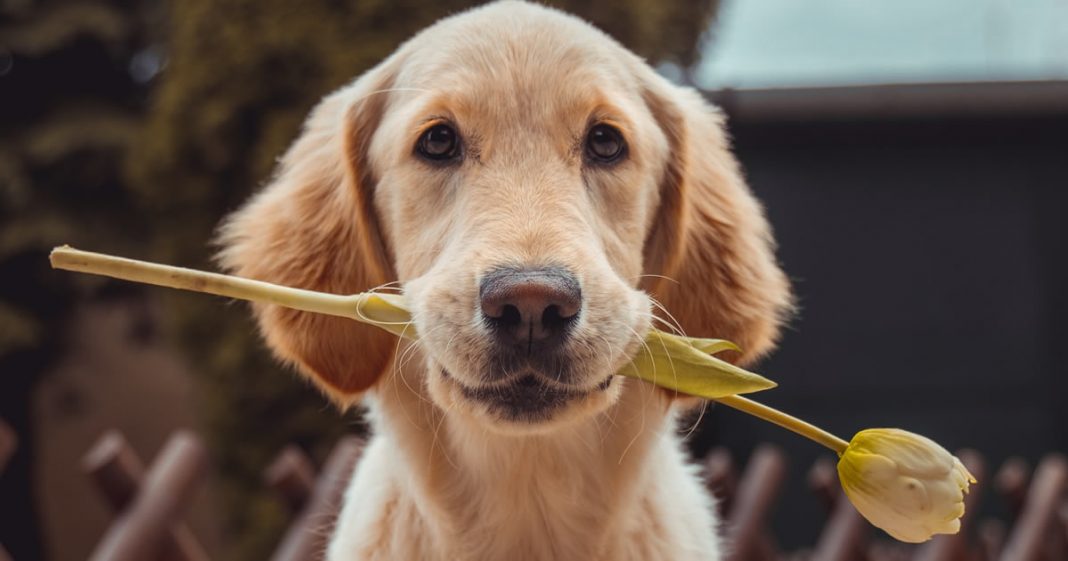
{"points": [[924, 228]]}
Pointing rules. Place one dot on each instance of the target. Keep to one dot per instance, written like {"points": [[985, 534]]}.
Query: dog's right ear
{"points": [[314, 227]]}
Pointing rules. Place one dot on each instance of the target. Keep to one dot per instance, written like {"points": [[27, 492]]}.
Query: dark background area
{"points": [[922, 226], [927, 242]]}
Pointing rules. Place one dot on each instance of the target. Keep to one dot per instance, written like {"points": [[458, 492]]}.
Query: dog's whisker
{"points": [[664, 310], [655, 276], [434, 440], [409, 354], [697, 423], [645, 400], [637, 435], [582, 439], [399, 364], [391, 285], [364, 97], [667, 326]]}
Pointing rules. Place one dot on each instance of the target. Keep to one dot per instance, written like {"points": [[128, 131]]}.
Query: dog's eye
{"points": [[439, 142], [604, 144]]}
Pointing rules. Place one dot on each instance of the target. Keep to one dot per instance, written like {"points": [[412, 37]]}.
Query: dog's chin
{"points": [[526, 403]]}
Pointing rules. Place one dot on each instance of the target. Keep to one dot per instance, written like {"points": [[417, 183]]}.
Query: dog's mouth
{"points": [[526, 397]]}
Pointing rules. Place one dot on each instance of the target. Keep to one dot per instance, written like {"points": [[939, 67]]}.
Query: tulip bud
{"points": [[904, 483]]}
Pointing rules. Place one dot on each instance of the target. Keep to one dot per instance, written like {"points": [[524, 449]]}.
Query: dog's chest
{"points": [[613, 491], [542, 512]]}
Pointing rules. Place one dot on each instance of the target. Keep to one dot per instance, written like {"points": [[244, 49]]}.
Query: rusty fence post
{"points": [[115, 469], [292, 477], [823, 482], [118, 473], [1036, 523], [991, 535], [307, 535], [143, 529], [1062, 514], [844, 535], [9, 441], [1011, 483], [844, 528], [756, 493], [721, 479]]}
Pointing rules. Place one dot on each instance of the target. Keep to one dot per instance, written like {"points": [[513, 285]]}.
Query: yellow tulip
{"points": [[901, 482], [904, 483]]}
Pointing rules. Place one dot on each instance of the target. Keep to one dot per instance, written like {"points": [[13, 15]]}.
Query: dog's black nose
{"points": [[530, 308]]}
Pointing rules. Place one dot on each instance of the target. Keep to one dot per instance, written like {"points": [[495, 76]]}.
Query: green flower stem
{"points": [[387, 312], [788, 422], [71, 259]]}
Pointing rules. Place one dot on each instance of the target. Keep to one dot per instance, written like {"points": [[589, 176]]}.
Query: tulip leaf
{"points": [[713, 346], [685, 365]]}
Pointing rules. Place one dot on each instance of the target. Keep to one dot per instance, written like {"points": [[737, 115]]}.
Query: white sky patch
{"points": [[768, 43]]}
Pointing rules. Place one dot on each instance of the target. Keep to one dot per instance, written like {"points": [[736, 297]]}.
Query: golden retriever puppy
{"points": [[535, 189]]}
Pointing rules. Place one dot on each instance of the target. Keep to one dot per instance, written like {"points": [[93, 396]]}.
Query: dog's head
{"points": [[533, 186]]}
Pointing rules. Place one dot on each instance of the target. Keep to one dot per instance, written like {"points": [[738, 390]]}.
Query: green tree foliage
{"points": [[69, 108]]}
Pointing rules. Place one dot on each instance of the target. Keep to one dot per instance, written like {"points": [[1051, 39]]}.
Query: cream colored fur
{"points": [[353, 207]]}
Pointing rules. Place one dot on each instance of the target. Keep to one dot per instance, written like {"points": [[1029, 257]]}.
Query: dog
{"points": [[543, 198]]}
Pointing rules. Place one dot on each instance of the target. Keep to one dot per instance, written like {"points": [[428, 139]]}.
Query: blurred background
{"points": [[912, 156]]}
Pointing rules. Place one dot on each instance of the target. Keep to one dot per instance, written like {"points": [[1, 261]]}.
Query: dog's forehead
{"points": [[525, 55]]}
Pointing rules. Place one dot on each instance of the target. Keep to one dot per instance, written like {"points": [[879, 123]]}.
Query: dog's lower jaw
{"points": [[524, 407], [614, 486]]}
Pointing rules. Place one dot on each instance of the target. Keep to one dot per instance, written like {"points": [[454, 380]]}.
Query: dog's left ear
{"points": [[710, 239], [314, 227]]}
